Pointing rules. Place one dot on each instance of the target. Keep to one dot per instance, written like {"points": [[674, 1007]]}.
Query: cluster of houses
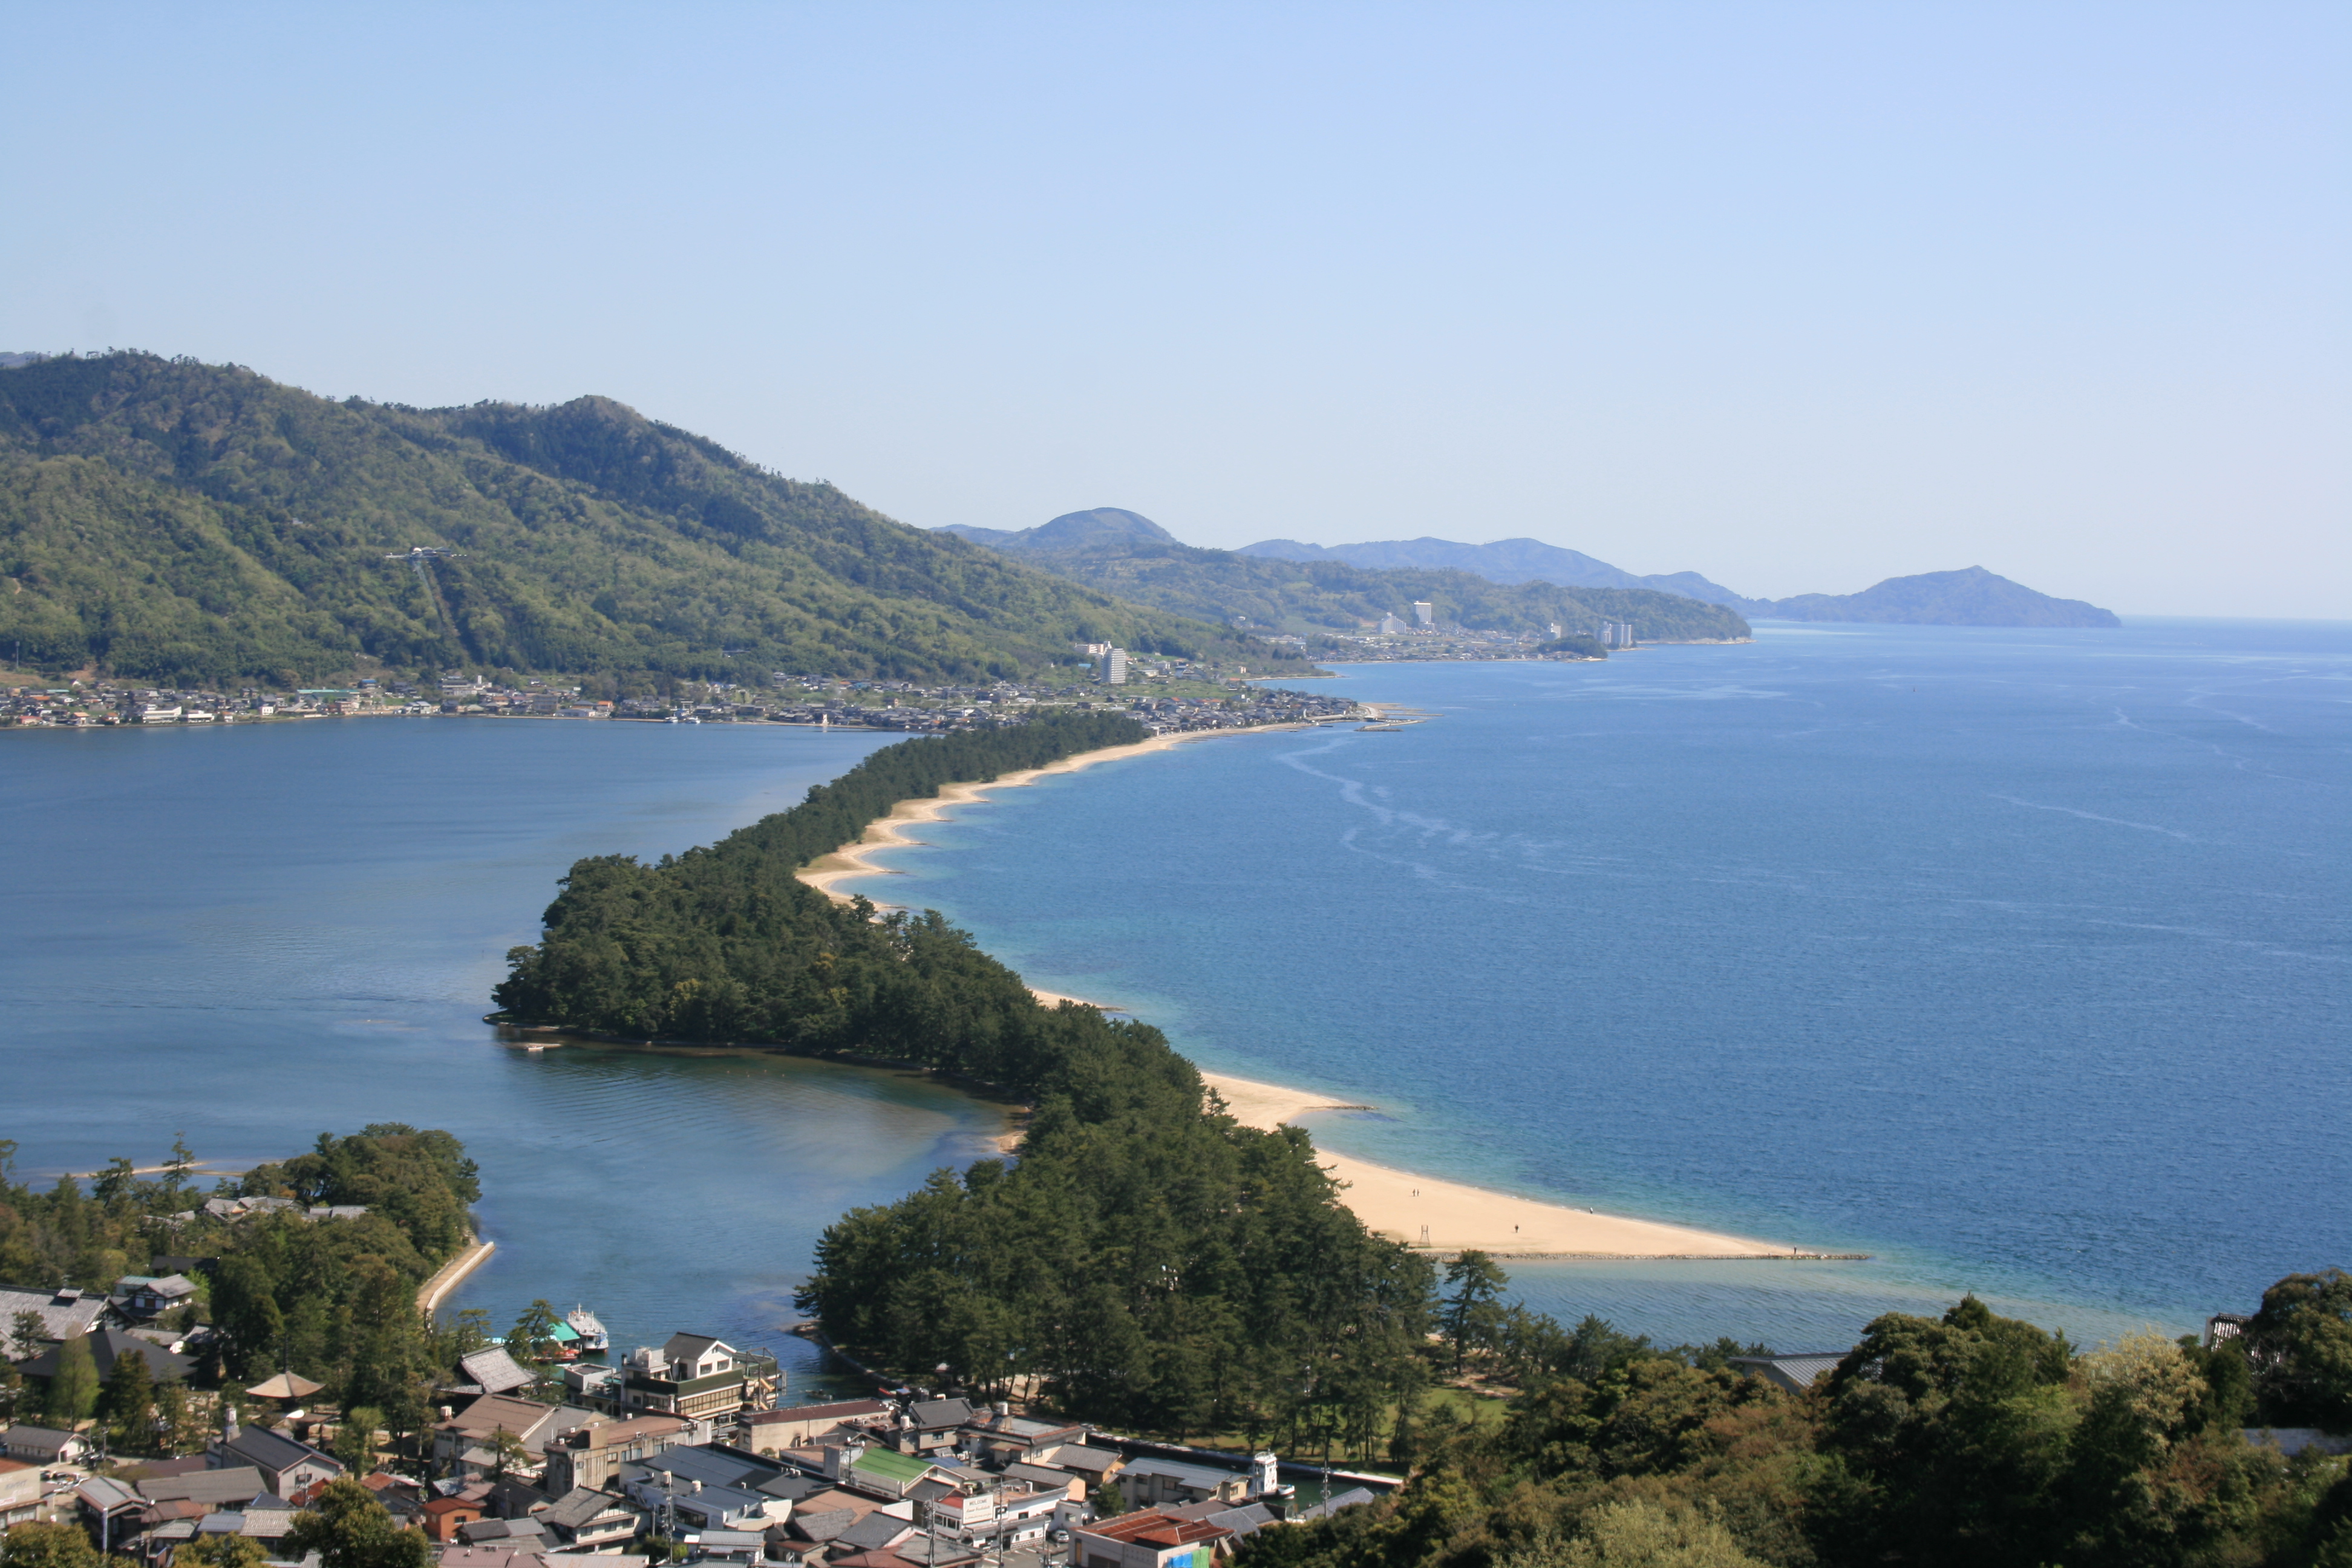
{"points": [[684, 1443], [897, 705]]}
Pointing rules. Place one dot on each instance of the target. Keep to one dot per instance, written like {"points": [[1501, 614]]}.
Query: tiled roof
{"points": [[269, 1451], [494, 1370], [931, 1413], [238, 1484], [1091, 1461], [1156, 1527], [63, 1312], [841, 1410]]}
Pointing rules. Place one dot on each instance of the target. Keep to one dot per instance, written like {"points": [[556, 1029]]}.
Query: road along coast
{"points": [[1421, 1211]]}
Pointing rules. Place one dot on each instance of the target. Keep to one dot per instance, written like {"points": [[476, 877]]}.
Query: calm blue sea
{"points": [[2016, 959], [258, 934]]}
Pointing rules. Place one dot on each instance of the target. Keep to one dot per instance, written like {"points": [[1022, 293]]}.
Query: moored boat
{"points": [[590, 1328]]}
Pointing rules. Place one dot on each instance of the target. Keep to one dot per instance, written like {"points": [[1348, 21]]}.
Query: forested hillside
{"points": [[1130, 556], [169, 520], [1965, 1441]]}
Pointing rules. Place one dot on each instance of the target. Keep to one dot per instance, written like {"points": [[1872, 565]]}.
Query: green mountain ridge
{"points": [[1127, 555], [171, 520]]}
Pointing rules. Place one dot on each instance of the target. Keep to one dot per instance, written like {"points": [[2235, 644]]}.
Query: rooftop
{"points": [[1156, 1527]]}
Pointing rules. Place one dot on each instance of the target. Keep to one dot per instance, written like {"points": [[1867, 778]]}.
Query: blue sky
{"points": [[1799, 296]]}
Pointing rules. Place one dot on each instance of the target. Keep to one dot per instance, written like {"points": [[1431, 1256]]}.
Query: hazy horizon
{"points": [[1798, 298]]}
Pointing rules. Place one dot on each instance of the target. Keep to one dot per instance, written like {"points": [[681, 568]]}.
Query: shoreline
{"points": [[854, 859], [1434, 1214], [452, 1274], [1425, 1213]]}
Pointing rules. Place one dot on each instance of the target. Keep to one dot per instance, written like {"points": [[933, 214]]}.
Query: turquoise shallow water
{"points": [[2016, 959]]}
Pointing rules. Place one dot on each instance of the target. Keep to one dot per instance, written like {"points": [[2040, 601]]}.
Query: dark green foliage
{"points": [[350, 1529], [1471, 1317], [37, 1545], [171, 521], [2300, 1345], [1149, 1260], [1969, 1439], [220, 1552], [127, 1404], [73, 1391], [725, 943], [1581, 646], [1307, 596], [333, 1300]]}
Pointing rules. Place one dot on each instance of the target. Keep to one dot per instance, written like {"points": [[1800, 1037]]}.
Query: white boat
{"points": [[590, 1328]]}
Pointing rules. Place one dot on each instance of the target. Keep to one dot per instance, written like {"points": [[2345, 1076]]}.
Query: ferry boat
{"points": [[585, 1323]]}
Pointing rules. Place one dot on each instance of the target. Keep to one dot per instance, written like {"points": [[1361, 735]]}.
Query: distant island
{"points": [[1974, 597]]}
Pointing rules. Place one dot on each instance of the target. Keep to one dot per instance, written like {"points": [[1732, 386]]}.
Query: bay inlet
{"points": [[1894, 940]]}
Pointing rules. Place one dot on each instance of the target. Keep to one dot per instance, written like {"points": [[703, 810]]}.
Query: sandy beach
{"points": [[854, 859], [1421, 1211], [1447, 1217]]}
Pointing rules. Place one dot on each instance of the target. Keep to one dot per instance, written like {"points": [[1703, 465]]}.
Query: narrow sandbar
{"points": [[1421, 1211], [891, 831], [1448, 1216]]}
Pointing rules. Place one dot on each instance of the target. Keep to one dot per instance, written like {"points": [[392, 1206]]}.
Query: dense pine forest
{"points": [[724, 943], [1146, 1259], [166, 520]]}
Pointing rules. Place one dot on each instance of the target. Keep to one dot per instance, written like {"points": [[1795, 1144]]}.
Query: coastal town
{"points": [[687, 1451], [1166, 696]]}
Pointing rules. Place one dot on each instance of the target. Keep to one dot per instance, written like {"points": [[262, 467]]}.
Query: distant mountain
{"points": [[171, 521], [1105, 526], [1504, 560], [1127, 555], [1974, 597]]}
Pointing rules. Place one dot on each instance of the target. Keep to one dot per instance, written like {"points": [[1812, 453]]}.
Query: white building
{"points": [[1114, 668]]}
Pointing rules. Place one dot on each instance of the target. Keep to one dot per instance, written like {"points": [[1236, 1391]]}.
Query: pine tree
{"points": [[175, 1424], [127, 1403], [1472, 1312], [73, 1389]]}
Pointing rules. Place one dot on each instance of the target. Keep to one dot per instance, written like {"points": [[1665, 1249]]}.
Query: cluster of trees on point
{"points": [[723, 943], [335, 1300], [179, 522], [1147, 1257], [1967, 1441], [1582, 645]]}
